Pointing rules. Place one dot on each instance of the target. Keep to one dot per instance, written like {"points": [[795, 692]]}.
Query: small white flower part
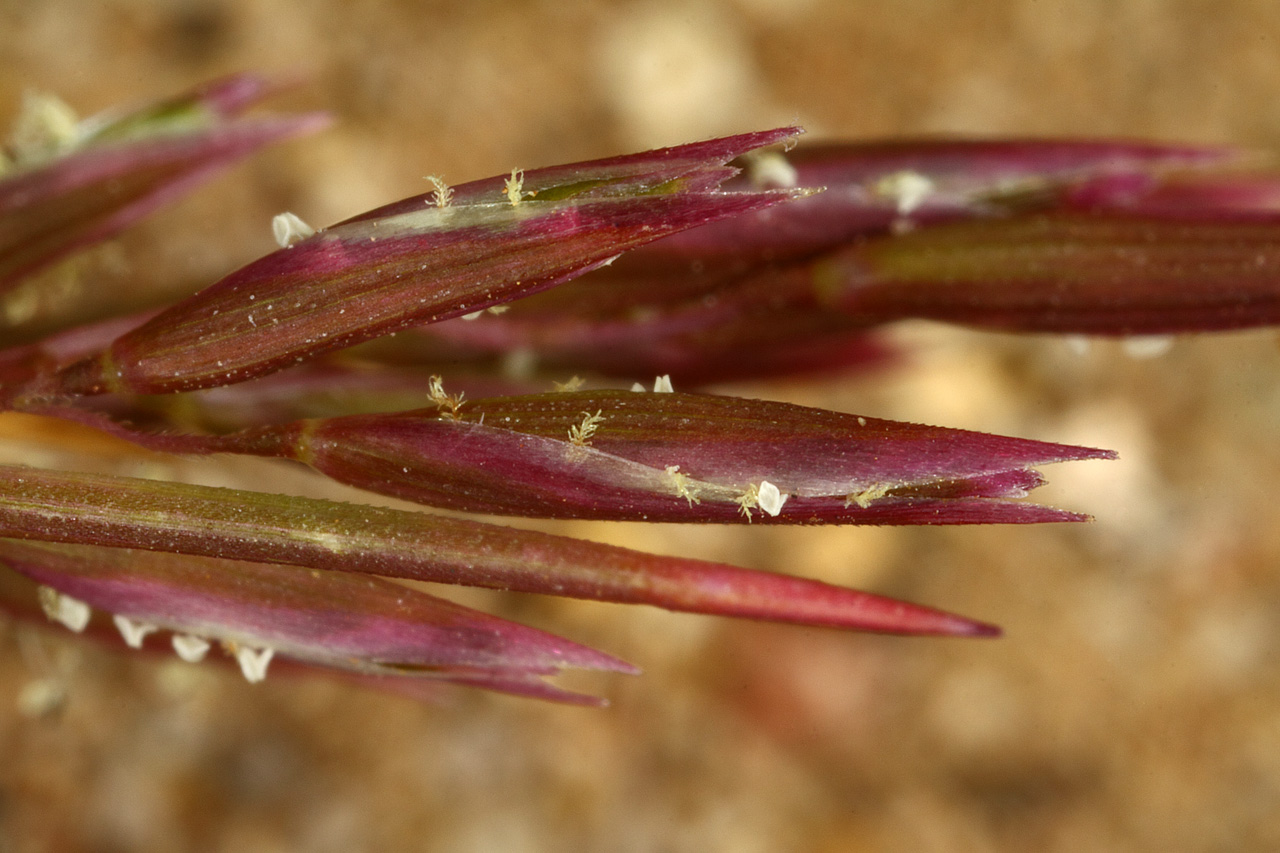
{"points": [[771, 169], [1078, 344], [71, 612], [573, 384], [907, 189], [42, 698], [513, 185], [770, 498], [1147, 346], [133, 632], [662, 384], [519, 363], [190, 648], [253, 662], [636, 386], [474, 315], [289, 229], [45, 127]]}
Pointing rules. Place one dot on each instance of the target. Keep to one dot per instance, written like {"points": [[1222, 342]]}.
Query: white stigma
{"points": [[71, 612], [662, 384]]}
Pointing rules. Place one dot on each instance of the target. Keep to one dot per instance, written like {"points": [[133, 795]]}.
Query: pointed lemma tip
{"points": [[952, 625], [623, 667], [598, 661], [981, 629]]}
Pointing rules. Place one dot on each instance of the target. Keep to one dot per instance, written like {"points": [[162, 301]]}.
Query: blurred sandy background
{"points": [[1134, 703]]}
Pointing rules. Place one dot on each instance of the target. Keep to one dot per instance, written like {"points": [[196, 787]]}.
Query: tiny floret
{"points": [[71, 612], [662, 384], [636, 386], [573, 384], [749, 500], [133, 632], [190, 648], [770, 498], [253, 662], [288, 229], [513, 186]]}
